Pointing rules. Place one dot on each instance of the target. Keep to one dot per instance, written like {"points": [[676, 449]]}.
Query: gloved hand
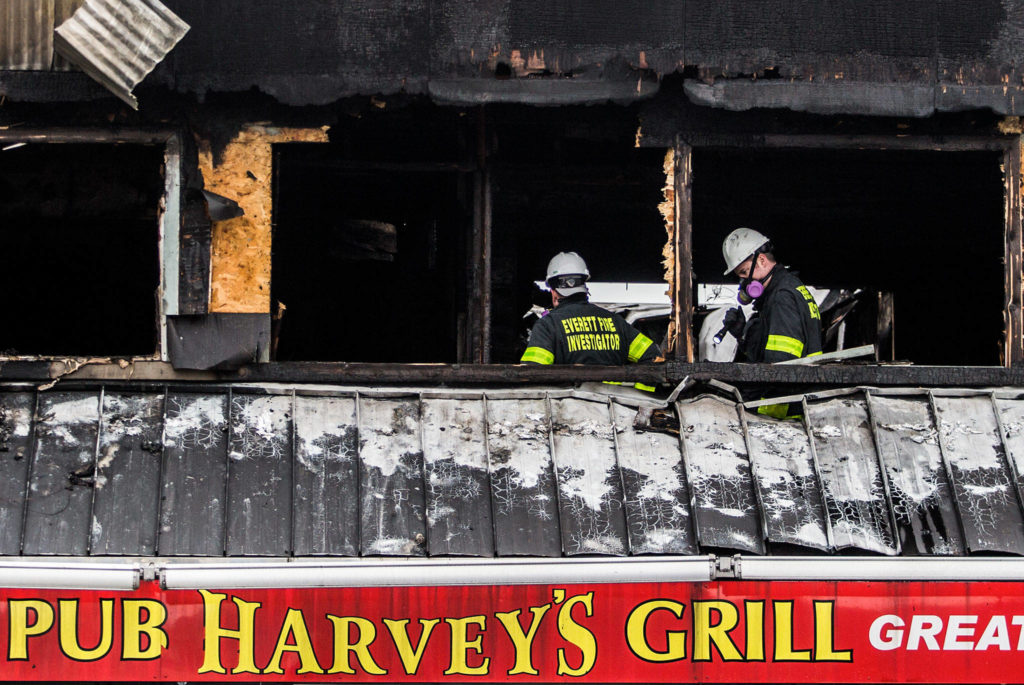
{"points": [[733, 322]]}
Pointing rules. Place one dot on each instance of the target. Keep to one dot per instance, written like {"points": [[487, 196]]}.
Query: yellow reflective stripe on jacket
{"points": [[811, 304], [776, 411], [538, 355], [639, 345], [783, 343], [638, 386]]}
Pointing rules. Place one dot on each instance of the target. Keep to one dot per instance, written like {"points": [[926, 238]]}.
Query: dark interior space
{"points": [[79, 259], [570, 179], [368, 256], [925, 226]]}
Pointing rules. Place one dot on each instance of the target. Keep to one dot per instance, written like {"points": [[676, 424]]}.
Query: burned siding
{"points": [[255, 471]]}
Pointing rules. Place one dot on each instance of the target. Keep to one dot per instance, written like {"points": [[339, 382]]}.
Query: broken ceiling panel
{"points": [[118, 42]]}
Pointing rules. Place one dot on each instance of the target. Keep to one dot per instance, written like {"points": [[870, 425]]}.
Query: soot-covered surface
{"points": [[245, 470]]}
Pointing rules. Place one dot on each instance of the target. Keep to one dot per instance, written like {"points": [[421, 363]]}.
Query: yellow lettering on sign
{"points": [[68, 631], [135, 627], [784, 649], [573, 632], [522, 641], [754, 616], [213, 633], [708, 632], [294, 626], [344, 647], [400, 636], [21, 628], [636, 632], [461, 645], [824, 634]]}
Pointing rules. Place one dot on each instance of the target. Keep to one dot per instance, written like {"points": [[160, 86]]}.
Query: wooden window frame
{"points": [[1008, 146]]}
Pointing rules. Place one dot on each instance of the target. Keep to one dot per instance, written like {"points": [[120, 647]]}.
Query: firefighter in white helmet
{"points": [[786, 323], [578, 332]]}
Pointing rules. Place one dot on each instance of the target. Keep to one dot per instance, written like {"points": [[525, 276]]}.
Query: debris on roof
{"points": [[118, 42]]}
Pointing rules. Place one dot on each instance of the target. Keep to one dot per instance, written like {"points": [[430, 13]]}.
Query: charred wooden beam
{"points": [[867, 141], [682, 299], [668, 374], [1013, 342], [24, 134], [851, 374]]}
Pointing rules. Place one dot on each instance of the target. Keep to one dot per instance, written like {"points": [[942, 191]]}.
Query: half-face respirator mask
{"points": [[752, 288]]}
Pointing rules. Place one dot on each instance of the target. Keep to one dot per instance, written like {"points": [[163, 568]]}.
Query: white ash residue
{"points": [[846, 450], [324, 431], [584, 452], [518, 435], [128, 416], [920, 433], [780, 450], [20, 417], [827, 431], [393, 546], [260, 427], [59, 418], [604, 544], [858, 536], [389, 433], [454, 430], [199, 421]]}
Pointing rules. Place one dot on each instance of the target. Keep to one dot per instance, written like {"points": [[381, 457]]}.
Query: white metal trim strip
{"points": [[395, 573]]}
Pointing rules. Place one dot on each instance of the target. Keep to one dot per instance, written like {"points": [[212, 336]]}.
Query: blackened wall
{"points": [[950, 55]]}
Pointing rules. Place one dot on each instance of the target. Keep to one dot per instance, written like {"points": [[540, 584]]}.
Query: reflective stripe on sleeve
{"points": [[537, 355], [639, 345], [776, 411], [638, 386], [783, 343]]}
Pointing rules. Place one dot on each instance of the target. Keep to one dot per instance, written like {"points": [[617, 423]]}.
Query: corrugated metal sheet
{"points": [[118, 42], [26, 33], [246, 470]]}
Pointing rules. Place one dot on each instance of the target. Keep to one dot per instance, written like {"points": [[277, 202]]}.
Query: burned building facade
{"points": [[266, 266]]}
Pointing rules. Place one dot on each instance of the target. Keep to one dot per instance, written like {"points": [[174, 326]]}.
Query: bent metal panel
{"points": [[717, 631]]}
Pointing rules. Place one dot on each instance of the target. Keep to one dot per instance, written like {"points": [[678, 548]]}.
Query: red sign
{"points": [[721, 631]]}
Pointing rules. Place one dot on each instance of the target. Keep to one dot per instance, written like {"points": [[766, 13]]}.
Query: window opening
{"points": [[369, 255], [923, 228], [79, 263], [560, 185]]}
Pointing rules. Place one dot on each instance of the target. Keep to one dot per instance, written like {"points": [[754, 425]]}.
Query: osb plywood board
{"points": [[240, 259]]}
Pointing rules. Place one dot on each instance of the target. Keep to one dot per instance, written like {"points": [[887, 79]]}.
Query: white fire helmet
{"points": [[567, 274], [739, 245]]}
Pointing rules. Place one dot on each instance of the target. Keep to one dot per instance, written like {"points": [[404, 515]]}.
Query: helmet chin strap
{"points": [[752, 288]]}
